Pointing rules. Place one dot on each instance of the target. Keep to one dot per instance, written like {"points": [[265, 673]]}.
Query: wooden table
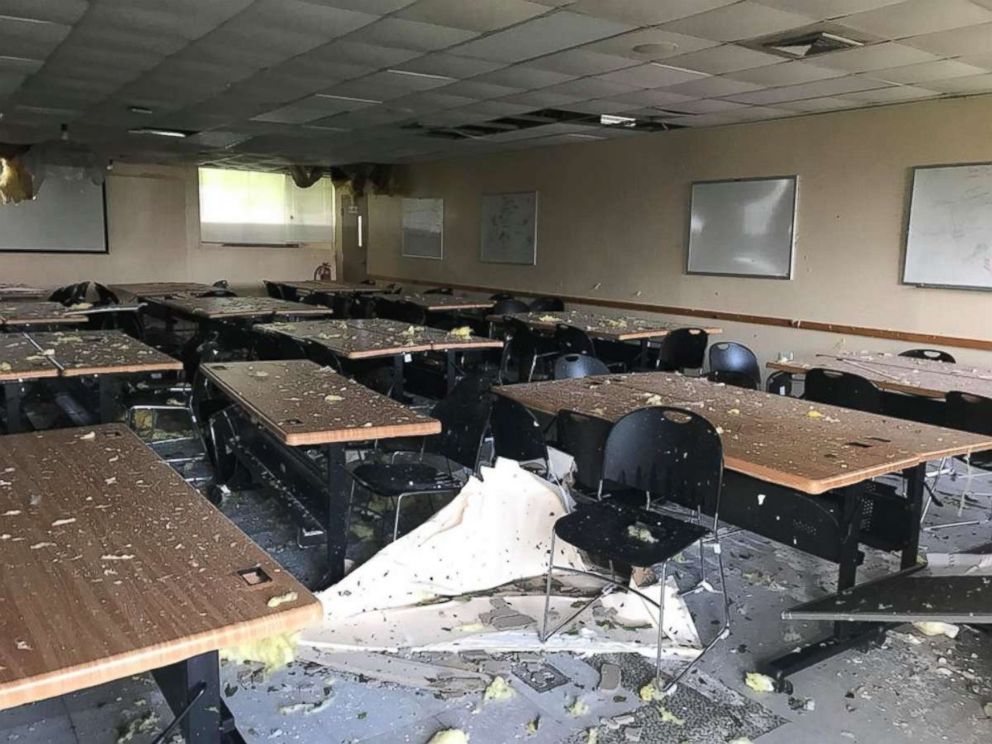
{"points": [[434, 303], [602, 327], [378, 338], [36, 314], [22, 292], [313, 286], [237, 308], [298, 403], [796, 472], [108, 355], [145, 290], [114, 566], [923, 377]]}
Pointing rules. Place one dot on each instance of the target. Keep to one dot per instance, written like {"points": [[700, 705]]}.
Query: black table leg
{"points": [[192, 690], [398, 392], [12, 399], [915, 482], [450, 370], [110, 387], [337, 514]]}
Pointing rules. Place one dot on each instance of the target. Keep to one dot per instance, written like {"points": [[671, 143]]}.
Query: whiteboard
{"points": [[949, 237], [743, 228], [67, 216], [509, 228], [423, 228]]}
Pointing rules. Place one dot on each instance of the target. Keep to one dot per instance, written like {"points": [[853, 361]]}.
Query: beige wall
{"points": [[154, 235], [612, 221]]}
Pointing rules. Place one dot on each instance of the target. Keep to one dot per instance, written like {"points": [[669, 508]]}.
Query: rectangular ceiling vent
{"points": [[808, 45]]}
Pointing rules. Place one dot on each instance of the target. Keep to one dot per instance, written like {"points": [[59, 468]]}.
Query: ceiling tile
{"points": [[823, 9], [645, 12], [474, 15], [479, 91], [812, 105], [451, 65], [725, 58], [20, 65], [370, 55], [592, 87], [601, 106], [383, 86], [395, 32], [700, 120], [57, 11], [650, 44], [957, 42], [652, 75], [582, 62], [29, 39], [742, 20], [10, 81], [309, 109], [375, 7], [915, 17], [787, 73], [537, 99], [524, 77], [892, 94], [704, 106], [874, 57], [430, 101], [713, 87], [655, 97], [541, 36], [921, 73], [970, 84], [820, 88]]}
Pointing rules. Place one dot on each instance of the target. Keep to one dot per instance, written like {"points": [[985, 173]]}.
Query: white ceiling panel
{"points": [[479, 91], [915, 17], [957, 42], [645, 12], [451, 65], [602, 106], [873, 57], [705, 106], [474, 15], [725, 58], [420, 103], [816, 105], [742, 20], [538, 99], [581, 62], [649, 44], [652, 75], [713, 87], [369, 55], [309, 109], [524, 77], [921, 73], [426, 37], [656, 97], [834, 87], [786, 73], [20, 65], [541, 36], [375, 7], [57, 11], [823, 9], [592, 87], [970, 84], [891, 95]]}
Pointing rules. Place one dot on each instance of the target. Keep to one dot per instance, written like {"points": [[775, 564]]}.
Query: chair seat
{"points": [[394, 479], [636, 537]]}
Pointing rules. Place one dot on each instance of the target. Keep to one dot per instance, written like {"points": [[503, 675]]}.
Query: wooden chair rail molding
{"points": [[932, 339]]}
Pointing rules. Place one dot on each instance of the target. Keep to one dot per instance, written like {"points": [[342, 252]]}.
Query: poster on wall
{"points": [[423, 228], [509, 228]]}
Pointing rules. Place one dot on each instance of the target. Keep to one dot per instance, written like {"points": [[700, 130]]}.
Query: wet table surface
{"points": [[790, 442], [924, 377], [13, 314], [220, 308], [606, 328], [113, 566], [302, 403], [77, 353], [440, 302], [376, 337]]}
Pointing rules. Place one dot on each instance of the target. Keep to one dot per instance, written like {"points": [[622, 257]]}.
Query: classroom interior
{"points": [[487, 371]]}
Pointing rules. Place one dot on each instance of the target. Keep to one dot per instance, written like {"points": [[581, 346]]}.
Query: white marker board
{"points": [[423, 228], [509, 228], [67, 216], [949, 236], [743, 227]]}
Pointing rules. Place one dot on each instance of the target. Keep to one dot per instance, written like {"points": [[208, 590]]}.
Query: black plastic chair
{"points": [[523, 348], [405, 312], [934, 355], [71, 294], [779, 383], [573, 340], [501, 296], [572, 366], [842, 389], [464, 417], [517, 435], [682, 349], [547, 305], [272, 289], [968, 412], [669, 453], [730, 356], [734, 379], [584, 438], [509, 306]]}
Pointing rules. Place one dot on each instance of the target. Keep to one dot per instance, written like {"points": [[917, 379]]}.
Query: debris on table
{"points": [[759, 682], [449, 736]]}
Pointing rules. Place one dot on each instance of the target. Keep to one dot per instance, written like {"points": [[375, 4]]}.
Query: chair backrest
{"points": [[842, 389], [735, 379], [439, 290], [105, 295], [573, 340], [571, 366], [464, 416], [968, 412], [670, 453], [517, 435], [404, 312], [547, 305], [272, 289], [935, 355], [729, 356], [71, 294], [501, 296], [509, 306], [584, 438], [779, 383], [683, 348]]}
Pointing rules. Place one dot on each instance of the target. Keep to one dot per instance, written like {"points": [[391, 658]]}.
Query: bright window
{"points": [[255, 208]]}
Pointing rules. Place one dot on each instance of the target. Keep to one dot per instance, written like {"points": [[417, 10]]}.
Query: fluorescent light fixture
{"points": [[175, 133], [424, 75], [24, 19], [680, 69], [612, 120], [345, 98], [140, 110]]}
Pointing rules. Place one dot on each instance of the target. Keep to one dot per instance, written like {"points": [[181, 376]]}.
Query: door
{"points": [[354, 238]]}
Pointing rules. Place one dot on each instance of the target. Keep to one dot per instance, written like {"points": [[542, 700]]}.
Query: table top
{"points": [[626, 328], [159, 289], [924, 377], [787, 441], [77, 353], [22, 292], [309, 286], [220, 308], [37, 313], [302, 403], [113, 565], [376, 337], [440, 302]]}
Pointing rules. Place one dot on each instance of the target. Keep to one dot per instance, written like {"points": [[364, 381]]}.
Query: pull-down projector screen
{"points": [[67, 216]]}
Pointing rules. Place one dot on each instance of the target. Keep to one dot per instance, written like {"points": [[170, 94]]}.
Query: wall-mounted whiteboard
{"points": [[949, 237], [67, 216], [509, 228], [423, 228], [743, 228]]}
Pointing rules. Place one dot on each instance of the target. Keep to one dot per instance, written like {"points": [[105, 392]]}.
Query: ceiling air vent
{"points": [[808, 45]]}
